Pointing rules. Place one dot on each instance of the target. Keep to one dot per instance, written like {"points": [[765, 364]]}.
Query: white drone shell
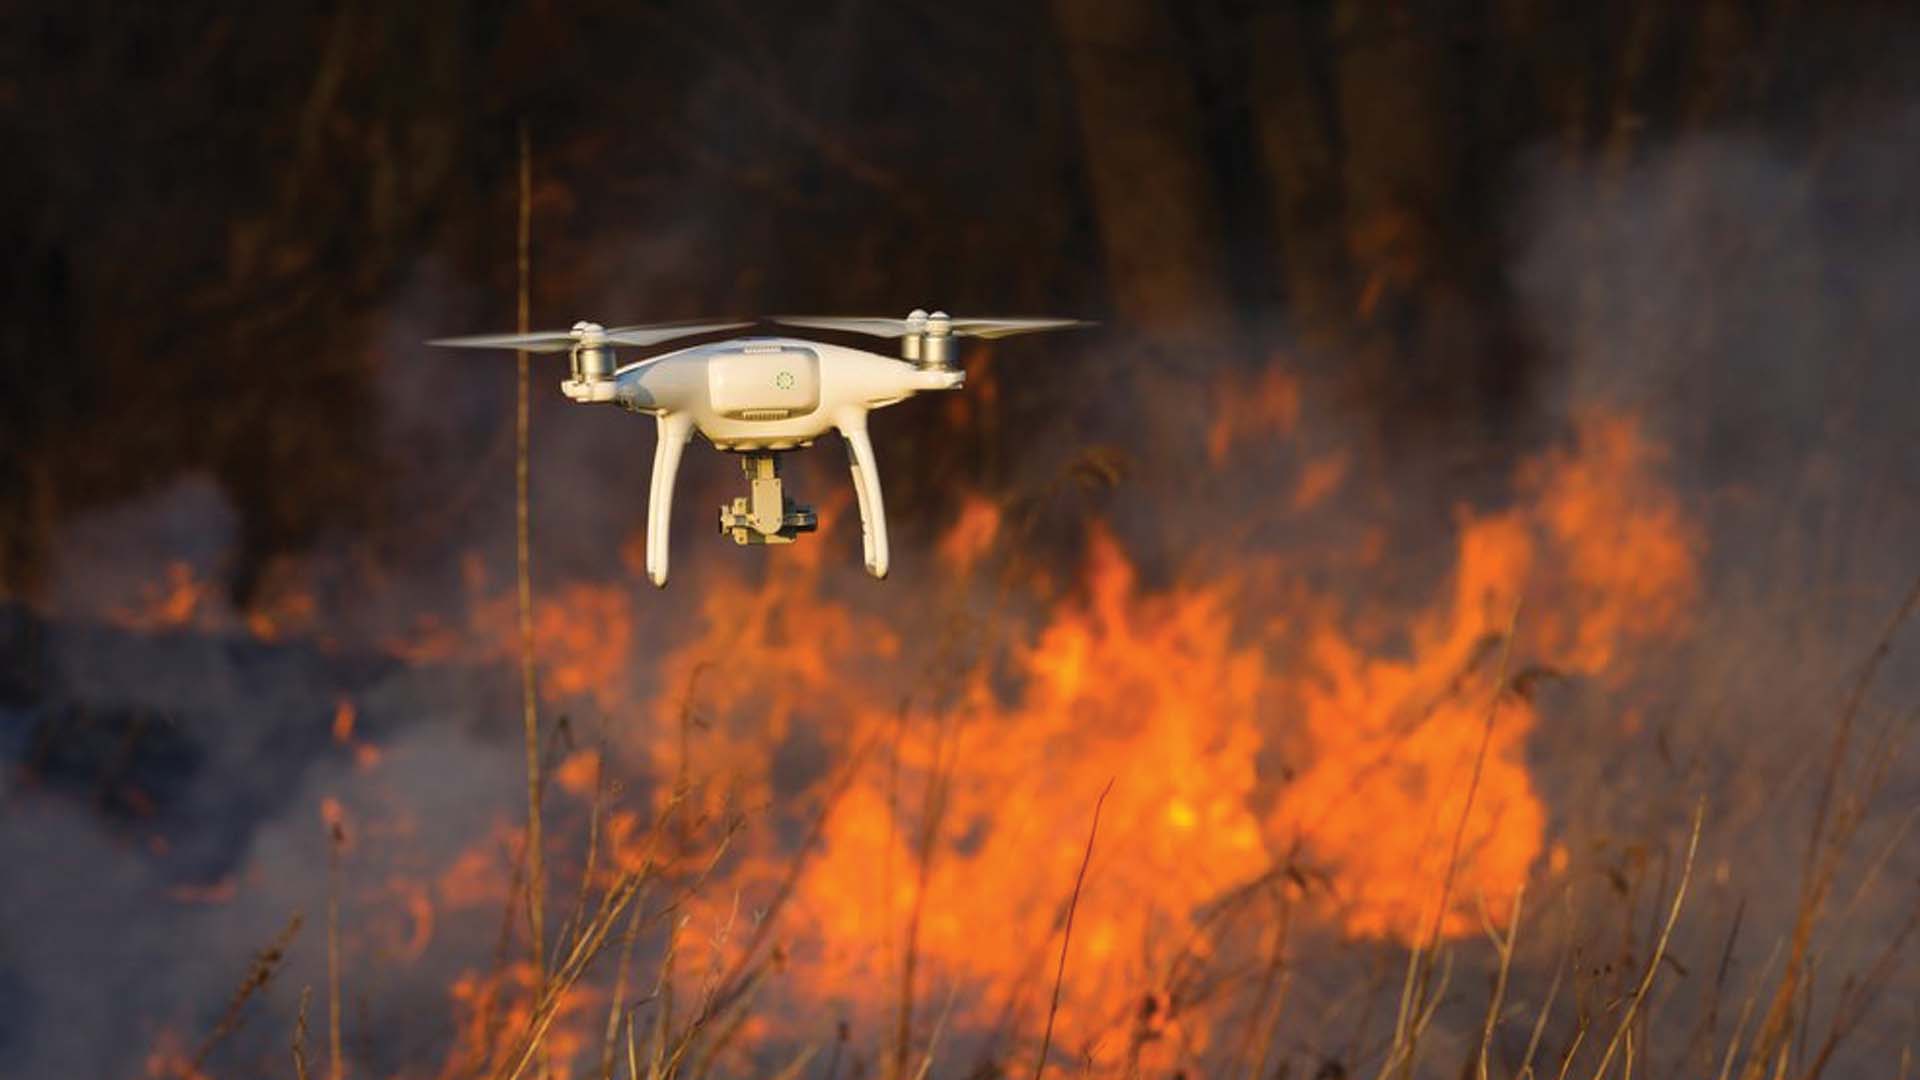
{"points": [[759, 396]]}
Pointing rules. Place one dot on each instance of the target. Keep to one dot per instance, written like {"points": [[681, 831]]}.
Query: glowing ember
{"points": [[169, 604]]}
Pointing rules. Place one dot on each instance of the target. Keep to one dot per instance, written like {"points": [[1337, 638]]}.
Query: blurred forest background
{"points": [[207, 208]]}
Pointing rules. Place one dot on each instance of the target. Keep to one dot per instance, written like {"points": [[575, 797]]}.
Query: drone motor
{"points": [[592, 359]]}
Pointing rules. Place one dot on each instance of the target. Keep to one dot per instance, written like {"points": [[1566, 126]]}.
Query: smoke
{"points": [[1748, 295]]}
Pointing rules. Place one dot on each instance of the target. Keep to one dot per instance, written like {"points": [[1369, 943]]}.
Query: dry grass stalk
{"points": [[1858, 995], [337, 839], [1525, 1072], [1503, 948], [300, 1037], [265, 963], [1066, 936], [1417, 1000], [1660, 947], [1264, 1018], [798, 1065], [932, 810], [523, 564], [578, 956], [676, 800], [1823, 853], [1573, 1050]]}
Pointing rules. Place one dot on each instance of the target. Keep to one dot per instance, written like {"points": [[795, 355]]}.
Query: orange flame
{"points": [[1371, 764], [1393, 776], [169, 604]]}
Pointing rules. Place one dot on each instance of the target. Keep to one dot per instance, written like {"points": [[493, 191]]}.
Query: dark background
{"points": [[207, 210]]}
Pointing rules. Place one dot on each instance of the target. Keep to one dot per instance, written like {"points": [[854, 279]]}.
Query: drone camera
{"points": [[765, 515]]}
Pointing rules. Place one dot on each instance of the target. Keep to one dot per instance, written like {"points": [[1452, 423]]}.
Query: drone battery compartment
{"points": [[764, 382]]}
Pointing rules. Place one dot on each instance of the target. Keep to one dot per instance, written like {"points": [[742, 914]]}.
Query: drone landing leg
{"points": [[866, 487], [673, 431]]}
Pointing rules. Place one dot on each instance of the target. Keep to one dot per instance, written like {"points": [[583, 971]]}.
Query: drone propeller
{"points": [[927, 340], [920, 322], [587, 334]]}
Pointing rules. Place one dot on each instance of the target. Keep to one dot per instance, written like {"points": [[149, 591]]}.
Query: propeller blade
{"points": [[893, 328], [999, 328], [553, 341], [876, 327], [547, 341], [659, 332]]}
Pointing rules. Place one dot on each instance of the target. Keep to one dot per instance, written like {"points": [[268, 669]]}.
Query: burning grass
{"points": [[1317, 822]]}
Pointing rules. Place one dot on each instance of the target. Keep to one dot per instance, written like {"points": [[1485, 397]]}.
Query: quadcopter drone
{"points": [[760, 397]]}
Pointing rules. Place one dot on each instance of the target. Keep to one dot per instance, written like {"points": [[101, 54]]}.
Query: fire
{"points": [[169, 1060], [1147, 691], [1268, 408], [486, 1006], [177, 600], [1606, 560], [919, 792], [972, 534], [1390, 768]]}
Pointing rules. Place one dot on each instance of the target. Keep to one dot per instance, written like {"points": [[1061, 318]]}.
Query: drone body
{"points": [[760, 397]]}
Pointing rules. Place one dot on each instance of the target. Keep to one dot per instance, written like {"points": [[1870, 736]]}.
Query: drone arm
{"points": [[866, 487], [674, 429]]}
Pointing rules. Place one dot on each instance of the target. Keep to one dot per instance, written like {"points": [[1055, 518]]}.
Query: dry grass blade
{"points": [[1573, 1051], [578, 957], [1263, 1018], [1858, 996], [933, 809], [1660, 947], [337, 838], [300, 1037], [1503, 947], [933, 1041], [1733, 1044], [1822, 851], [523, 574], [1066, 937], [1407, 1026], [259, 973], [798, 1065], [1525, 1072]]}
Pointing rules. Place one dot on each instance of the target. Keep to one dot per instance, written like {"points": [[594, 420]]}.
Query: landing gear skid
{"points": [[764, 515]]}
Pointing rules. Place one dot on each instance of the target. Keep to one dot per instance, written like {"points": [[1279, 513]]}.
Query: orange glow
{"points": [[1267, 407], [1258, 725], [1606, 560], [168, 1059], [579, 774], [480, 876], [487, 1005], [972, 534], [169, 604], [1319, 479], [1247, 725], [285, 607]]}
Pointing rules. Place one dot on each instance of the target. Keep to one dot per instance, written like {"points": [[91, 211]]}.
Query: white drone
{"points": [[759, 397]]}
